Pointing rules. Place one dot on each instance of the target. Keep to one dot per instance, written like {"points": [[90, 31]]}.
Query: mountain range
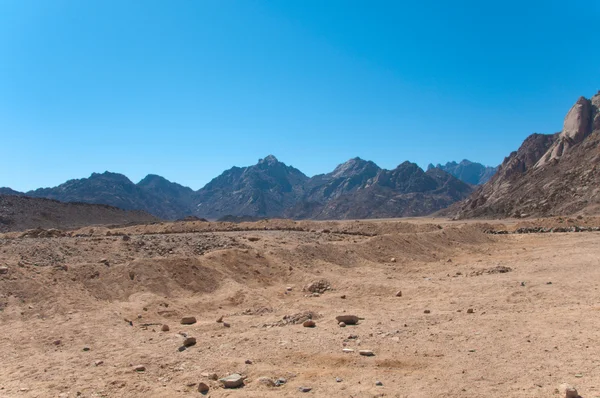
{"points": [[550, 174], [467, 171], [270, 188]]}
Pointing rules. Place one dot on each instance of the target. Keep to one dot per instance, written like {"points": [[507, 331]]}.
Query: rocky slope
{"points": [[467, 171], [20, 212], [549, 175]]}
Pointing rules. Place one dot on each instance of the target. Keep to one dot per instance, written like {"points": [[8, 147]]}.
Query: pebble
{"points": [[188, 320], [280, 381], [366, 353], [139, 368], [3, 270], [309, 324], [182, 348], [399, 293], [203, 388], [470, 311], [343, 296], [338, 380], [347, 319], [225, 324], [342, 324], [427, 312], [232, 381], [393, 259], [571, 392], [220, 320], [57, 342], [378, 383], [347, 350], [190, 341], [98, 363], [289, 288], [165, 328], [304, 389], [248, 362], [86, 348]]}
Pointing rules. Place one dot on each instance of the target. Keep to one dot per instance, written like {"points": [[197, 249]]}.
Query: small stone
{"points": [[104, 261], [571, 392], [304, 389], [289, 288], [342, 324], [98, 363], [393, 259], [225, 324], [190, 341], [470, 311], [378, 383], [309, 324], [86, 348], [232, 381], [266, 381], [210, 376], [220, 320], [399, 293], [188, 320], [280, 381], [347, 350], [203, 388], [366, 353], [139, 368], [338, 380], [165, 328], [182, 348], [57, 342], [427, 312], [347, 319], [3, 270], [248, 362]]}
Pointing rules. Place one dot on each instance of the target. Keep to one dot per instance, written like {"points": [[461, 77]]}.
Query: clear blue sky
{"points": [[187, 89]]}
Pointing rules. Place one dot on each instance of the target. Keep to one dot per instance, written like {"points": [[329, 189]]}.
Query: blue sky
{"points": [[187, 89]]}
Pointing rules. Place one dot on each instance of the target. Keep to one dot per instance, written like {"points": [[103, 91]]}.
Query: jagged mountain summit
{"points": [[470, 172], [355, 189], [557, 174]]}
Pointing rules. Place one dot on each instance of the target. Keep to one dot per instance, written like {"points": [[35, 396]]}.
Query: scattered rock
{"points": [[57, 342], [320, 286], [427, 312], [86, 348], [203, 388], [342, 324], [165, 328], [190, 341], [309, 324], [347, 319], [393, 259], [399, 293], [289, 288], [98, 363], [220, 320], [182, 348], [470, 311], [227, 325], [232, 381], [343, 297], [366, 353], [248, 362], [338, 379], [3, 270], [139, 368], [304, 389], [571, 392], [280, 381], [378, 383], [188, 320], [347, 350]]}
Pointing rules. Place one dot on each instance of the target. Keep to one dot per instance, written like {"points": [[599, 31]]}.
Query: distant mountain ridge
{"points": [[467, 171], [270, 188]]}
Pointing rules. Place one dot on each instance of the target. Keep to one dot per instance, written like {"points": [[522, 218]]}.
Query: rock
{"points": [[571, 392], [104, 261], [309, 324], [347, 319], [470, 311], [220, 320], [304, 389], [203, 388], [427, 312], [366, 353], [165, 328], [3, 270], [320, 286], [393, 259], [57, 342], [399, 293], [280, 381], [342, 324], [248, 362], [86, 348], [232, 381], [289, 288], [182, 348], [225, 324], [98, 363], [139, 368], [338, 380], [347, 350], [378, 383], [210, 376], [266, 381], [343, 297], [188, 320], [190, 341]]}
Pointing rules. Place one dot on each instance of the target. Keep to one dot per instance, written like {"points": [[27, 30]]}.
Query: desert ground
{"points": [[447, 309]]}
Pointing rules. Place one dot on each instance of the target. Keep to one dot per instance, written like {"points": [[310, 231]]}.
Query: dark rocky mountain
{"points": [[549, 175], [467, 171], [360, 189], [18, 213], [266, 189], [270, 188], [152, 195], [8, 191]]}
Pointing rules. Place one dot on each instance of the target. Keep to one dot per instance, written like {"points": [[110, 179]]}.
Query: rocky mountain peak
{"points": [[269, 160], [353, 167]]}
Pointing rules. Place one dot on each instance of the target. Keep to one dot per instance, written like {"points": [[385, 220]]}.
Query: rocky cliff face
{"points": [[555, 174], [467, 171]]}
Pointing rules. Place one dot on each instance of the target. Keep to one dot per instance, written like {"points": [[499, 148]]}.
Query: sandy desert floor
{"points": [[80, 310]]}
